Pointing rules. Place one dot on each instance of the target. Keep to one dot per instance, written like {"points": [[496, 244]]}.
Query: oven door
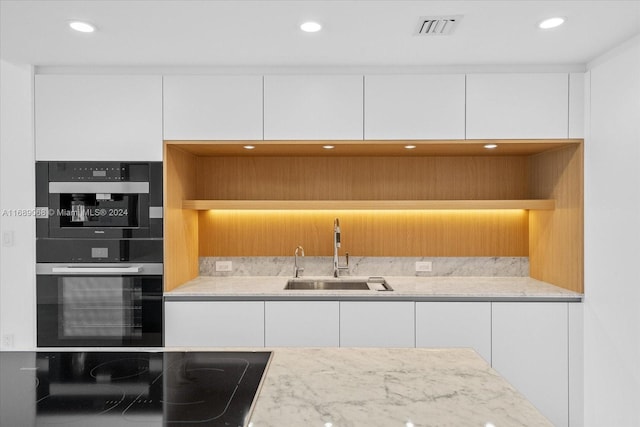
{"points": [[101, 305]]}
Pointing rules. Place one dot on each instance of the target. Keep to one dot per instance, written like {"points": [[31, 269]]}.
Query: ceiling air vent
{"points": [[437, 25]]}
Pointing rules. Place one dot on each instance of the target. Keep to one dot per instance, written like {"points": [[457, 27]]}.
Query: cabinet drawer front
{"points": [[302, 323], [454, 324], [214, 324], [377, 324]]}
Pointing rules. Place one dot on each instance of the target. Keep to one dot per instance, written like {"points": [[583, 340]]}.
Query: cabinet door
{"points": [[377, 324], [530, 349], [313, 107], [212, 107], [214, 323], [455, 324], [576, 105], [512, 106], [414, 107], [302, 324], [98, 117]]}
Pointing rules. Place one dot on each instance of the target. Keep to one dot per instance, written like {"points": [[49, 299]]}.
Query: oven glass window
{"points": [[99, 210], [100, 307]]}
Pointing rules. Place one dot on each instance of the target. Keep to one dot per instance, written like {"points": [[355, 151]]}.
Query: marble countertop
{"points": [[343, 387], [404, 288]]}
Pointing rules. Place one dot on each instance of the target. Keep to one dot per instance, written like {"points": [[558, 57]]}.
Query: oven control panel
{"points": [[98, 171]]}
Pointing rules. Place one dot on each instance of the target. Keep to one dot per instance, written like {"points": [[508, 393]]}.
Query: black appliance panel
{"points": [[99, 199], [98, 171], [99, 251], [130, 388]]}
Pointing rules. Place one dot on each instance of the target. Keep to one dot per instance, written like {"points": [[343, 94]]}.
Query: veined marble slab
{"points": [[371, 266], [344, 387], [408, 288]]}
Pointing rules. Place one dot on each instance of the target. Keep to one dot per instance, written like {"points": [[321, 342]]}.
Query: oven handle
{"points": [[98, 270], [111, 268]]}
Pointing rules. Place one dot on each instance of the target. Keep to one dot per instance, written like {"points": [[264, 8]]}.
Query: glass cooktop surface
{"points": [[129, 388]]}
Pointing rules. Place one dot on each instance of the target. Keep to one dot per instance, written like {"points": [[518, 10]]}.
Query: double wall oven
{"points": [[99, 254]]}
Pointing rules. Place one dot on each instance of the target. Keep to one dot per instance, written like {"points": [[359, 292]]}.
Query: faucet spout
{"points": [[336, 246], [297, 269]]}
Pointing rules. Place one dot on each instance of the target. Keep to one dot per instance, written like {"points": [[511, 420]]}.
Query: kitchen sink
{"points": [[338, 284]]}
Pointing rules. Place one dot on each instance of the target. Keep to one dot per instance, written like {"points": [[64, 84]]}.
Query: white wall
{"points": [[612, 241], [17, 183]]}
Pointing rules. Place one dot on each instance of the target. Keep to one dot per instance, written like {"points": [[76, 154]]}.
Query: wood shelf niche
{"points": [[444, 198], [333, 205]]}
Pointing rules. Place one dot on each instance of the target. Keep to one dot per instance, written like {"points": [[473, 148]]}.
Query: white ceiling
{"points": [[265, 33]]}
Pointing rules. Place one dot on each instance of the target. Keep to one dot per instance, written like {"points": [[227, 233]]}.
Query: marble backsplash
{"points": [[370, 266]]}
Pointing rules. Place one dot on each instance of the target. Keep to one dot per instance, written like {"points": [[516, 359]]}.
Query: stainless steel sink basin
{"points": [[338, 284]]}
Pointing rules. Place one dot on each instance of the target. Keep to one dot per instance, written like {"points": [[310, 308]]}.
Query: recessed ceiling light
{"points": [[310, 27], [409, 147], [83, 27], [554, 22], [490, 146], [328, 147], [249, 147]]}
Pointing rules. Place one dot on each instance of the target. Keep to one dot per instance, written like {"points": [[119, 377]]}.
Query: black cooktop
{"points": [[129, 388]]}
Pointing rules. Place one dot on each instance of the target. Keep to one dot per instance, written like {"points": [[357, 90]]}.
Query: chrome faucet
{"points": [[297, 270], [336, 245]]}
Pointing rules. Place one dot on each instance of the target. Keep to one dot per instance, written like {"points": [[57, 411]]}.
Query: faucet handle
{"points": [[346, 266]]}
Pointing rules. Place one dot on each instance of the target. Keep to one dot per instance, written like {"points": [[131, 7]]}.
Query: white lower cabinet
{"points": [[377, 324], [302, 324], [214, 323], [530, 349], [526, 342], [454, 324]]}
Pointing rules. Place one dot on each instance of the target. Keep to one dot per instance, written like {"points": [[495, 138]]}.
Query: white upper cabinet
{"points": [[576, 105], [313, 107], [212, 107], [517, 106], [90, 117], [414, 107]]}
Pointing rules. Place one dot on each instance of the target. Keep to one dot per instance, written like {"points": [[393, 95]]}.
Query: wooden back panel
{"points": [[362, 178], [365, 233]]}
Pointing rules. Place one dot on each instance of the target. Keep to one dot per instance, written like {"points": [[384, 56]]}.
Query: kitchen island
{"points": [[343, 387], [336, 387]]}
